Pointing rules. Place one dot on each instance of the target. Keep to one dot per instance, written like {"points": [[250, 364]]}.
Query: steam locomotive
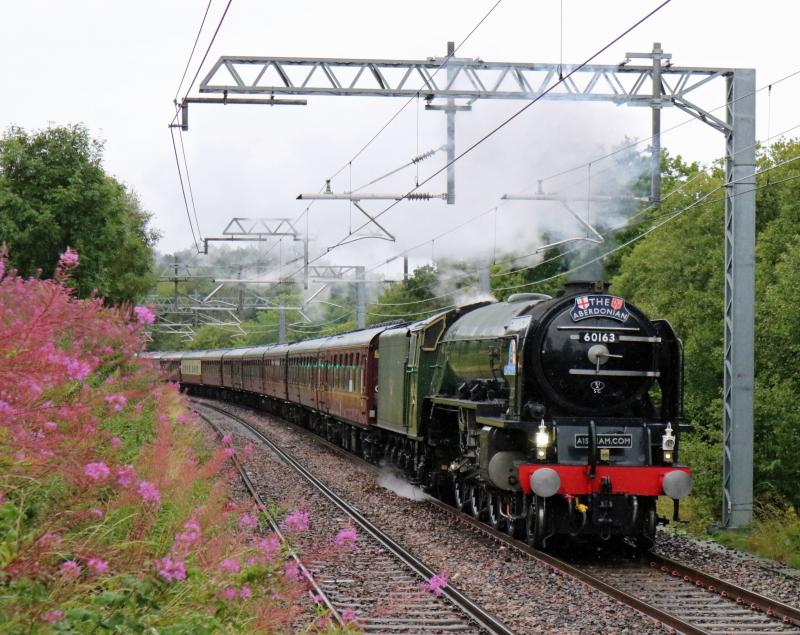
{"points": [[548, 418]]}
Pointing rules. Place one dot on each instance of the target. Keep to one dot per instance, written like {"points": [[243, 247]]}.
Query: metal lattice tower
{"points": [[656, 86]]}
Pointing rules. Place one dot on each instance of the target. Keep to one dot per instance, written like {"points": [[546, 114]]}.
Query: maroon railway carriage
{"points": [[274, 371], [349, 368], [303, 373]]}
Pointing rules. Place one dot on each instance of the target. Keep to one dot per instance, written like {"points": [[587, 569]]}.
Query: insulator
{"points": [[423, 156]]}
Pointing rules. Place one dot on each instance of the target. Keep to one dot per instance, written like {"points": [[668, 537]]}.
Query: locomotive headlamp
{"points": [[668, 439], [542, 441], [667, 456]]}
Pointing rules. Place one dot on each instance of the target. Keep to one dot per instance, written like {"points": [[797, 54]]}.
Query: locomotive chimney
{"points": [[577, 287]]}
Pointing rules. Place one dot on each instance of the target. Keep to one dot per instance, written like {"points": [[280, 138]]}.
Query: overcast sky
{"points": [[115, 66]]}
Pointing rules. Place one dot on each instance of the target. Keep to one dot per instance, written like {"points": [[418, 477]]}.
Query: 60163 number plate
{"points": [[605, 441], [594, 337]]}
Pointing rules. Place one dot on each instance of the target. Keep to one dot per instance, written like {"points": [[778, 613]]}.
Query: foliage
{"points": [[114, 512], [677, 273], [54, 194]]}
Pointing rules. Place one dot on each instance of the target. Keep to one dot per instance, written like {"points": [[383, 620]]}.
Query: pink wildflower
{"points": [[116, 442], [97, 565], [229, 565], [117, 401], [229, 452], [269, 546], [229, 594], [70, 569], [149, 493], [96, 471], [291, 570], [172, 570], [245, 592], [78, 370], [68, 260], [247, 452], [56, 615], [227, 439], [144, 315], [191, 533], [346, 538], [435, 584], [126, 476], [349, 615], [97, 513], [248, 522], [50, 426], [296, 521]]}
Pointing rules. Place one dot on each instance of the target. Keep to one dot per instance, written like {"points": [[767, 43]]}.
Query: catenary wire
{"points": [[205, 55], [183, 189], [191, 55], [189, 183]]}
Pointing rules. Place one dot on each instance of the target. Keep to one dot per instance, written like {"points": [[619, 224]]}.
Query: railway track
{"points": [[371, 573], [681, 597]]}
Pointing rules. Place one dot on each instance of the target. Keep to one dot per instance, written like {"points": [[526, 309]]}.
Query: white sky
{"points": [[115, 66]]}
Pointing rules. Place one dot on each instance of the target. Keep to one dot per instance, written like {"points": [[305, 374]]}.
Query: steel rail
{"points": [[273, 523], [475, 612], [768, 606]]}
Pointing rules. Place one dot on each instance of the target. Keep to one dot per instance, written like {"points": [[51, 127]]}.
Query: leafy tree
{"points": [[55, 194]]}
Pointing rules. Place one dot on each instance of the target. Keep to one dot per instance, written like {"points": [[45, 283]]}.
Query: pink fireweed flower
{"points": [[269, 546], [191, 533], [435, 584], [97, 513], [144, 315], [296, 521], [96, 471], [245, 592], [346, 538], [172, 570], [116, 442], [78, 370], [291, 570], [227, 439], [50, 426], [117, 401], [229, 565], [51, 617], [97, 565], [349, 615], [70, 570], [149, 493], [126, 476], [229, 594], [248, 522], [69, 259], [229, 452], [247, 452]]}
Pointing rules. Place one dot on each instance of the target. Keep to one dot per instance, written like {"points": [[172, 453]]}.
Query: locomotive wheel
{"points": [[476, 501], [513, 526], [459, 493], [535, 522], [646, 539], [493, 517]]}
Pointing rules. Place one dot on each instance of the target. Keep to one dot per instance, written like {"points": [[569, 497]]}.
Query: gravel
{"points": [[530, 597], [767, 577]]}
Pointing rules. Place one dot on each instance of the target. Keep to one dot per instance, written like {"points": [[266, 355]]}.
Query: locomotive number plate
{"points": [[605, 441], [594, 337]]}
